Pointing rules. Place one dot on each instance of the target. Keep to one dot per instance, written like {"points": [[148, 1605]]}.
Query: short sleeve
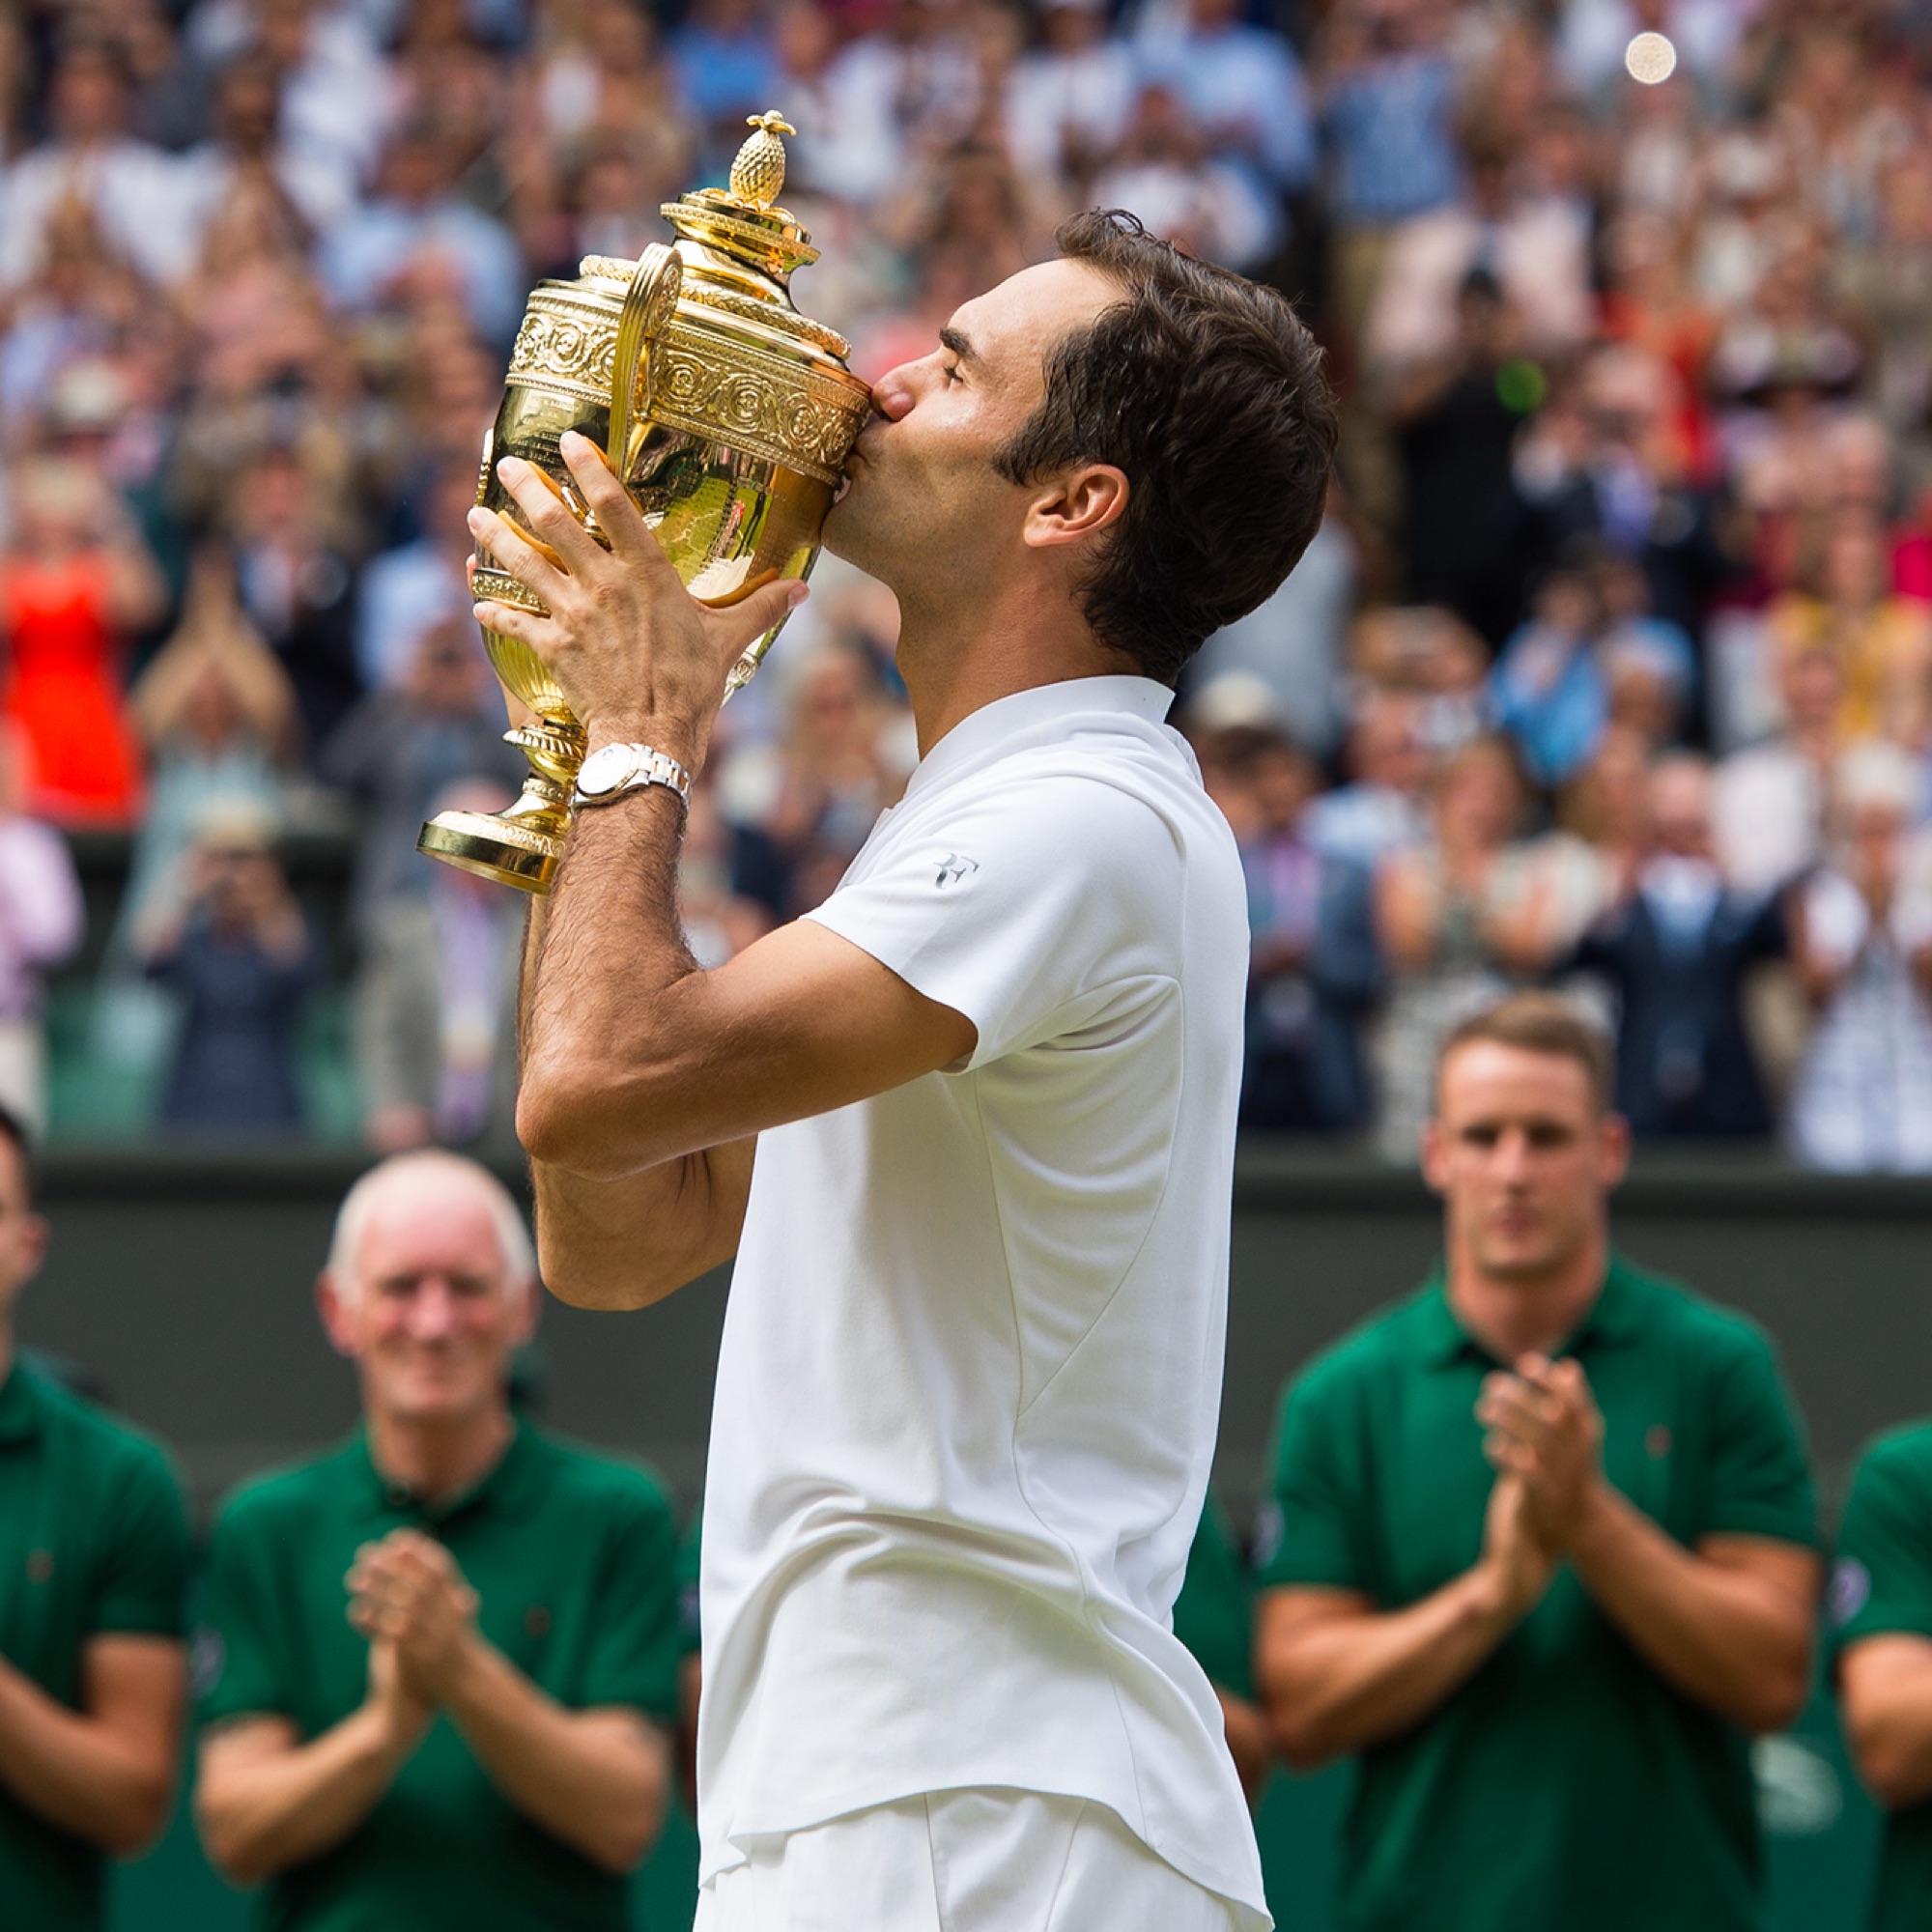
{"points": [[1881, 1582], [1027, 902], [1317, 1519], [242, 1664], [1760, 1475], [1214, 1613], [141, 1573], [635, 1647]]}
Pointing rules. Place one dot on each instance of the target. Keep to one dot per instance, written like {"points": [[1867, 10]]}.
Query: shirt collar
{"points": [[21, 1413], [1441, 1339], [509, 1490], [998, 726]]}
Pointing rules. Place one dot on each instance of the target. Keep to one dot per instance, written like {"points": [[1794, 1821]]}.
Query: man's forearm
{"points": [[77, 1772], [1732, 1640], [602, 955], [263, 1812], [1334, 1685], [597, 1780]]}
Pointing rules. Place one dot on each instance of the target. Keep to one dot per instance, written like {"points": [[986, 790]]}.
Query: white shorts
{"points": [[965, 1861]]}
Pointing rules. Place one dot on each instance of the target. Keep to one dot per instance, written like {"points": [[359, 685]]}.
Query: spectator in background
{"points": [[1070, 99], [1549, 690], [74, 580], [436, 1003], [1458, 918], [133, 189], [1466, 535], [400, 750], [411, 591], [1383, 807], [1313, 967], [448, 1649], [1862, 936], [1388, 110], [298, 585], [1675, 951], [1544, 1547], [236, 953], [1879, 1605], [1768, 801], [41, 922], [94, 1547], [415, 235]]}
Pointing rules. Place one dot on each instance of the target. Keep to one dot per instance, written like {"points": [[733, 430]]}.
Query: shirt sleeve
{"points": [[1030, 904], [1319, 1515], [1881, 1583], [142, 1571], [635, 1650], [1760, 1475], [241, 1662]]}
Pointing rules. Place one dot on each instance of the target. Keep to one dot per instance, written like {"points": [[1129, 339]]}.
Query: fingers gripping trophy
{"points": [[727, 414]]}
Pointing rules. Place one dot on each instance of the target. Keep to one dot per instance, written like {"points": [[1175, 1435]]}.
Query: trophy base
{"points": [[503, 849]]}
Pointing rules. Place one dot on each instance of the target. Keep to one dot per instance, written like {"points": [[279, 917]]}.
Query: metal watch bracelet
{"points": [[613, 770]]}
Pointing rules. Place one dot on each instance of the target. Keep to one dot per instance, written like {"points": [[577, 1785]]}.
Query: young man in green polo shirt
{"points": [[444, 1655], [1880, 1605], [93, 1556], [1545, 1556]]}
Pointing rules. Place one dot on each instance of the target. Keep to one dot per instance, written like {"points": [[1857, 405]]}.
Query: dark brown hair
{"points": [[1207, 391], [1539, 1023]]}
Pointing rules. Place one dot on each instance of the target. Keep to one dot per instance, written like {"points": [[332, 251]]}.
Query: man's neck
{"points": [[958, 661], [1513, 1318], [438, 1461]]}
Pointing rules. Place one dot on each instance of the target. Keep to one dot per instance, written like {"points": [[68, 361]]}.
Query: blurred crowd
{"points": [[1612, 668]]}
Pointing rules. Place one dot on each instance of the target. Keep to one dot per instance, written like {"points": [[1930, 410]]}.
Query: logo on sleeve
{"points": [[953, 868], [1850, 1591]]}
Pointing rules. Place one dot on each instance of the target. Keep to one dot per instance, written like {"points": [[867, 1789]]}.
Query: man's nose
{"points": [[896, 390], [431, 1309]]}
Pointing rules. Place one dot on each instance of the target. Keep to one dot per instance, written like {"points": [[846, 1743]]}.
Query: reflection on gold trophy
{"points": [[727, 414]]}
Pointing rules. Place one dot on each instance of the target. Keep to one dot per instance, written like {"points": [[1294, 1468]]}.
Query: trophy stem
{"points": [[519, 846]]}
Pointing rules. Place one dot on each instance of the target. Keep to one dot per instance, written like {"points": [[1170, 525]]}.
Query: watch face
{"points": [[606, 769]]}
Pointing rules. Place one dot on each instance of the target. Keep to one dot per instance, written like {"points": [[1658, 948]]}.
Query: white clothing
{"points": [[970, 1369], [1767, 816], [1051, 97], [138, 195], [964, 1861]]}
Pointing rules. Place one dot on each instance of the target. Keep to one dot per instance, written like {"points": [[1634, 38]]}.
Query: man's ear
{"points": [[331, 1305], [1434, 1149], [1613, 1161], [1076, 506]]}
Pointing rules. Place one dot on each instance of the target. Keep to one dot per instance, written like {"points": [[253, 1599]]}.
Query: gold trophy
{"points": [[726, 413]]}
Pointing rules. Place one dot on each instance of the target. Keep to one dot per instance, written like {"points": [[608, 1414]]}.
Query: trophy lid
{"points": [[743, 221]]}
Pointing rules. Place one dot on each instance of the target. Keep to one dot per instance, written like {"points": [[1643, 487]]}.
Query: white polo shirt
{"points": [[972, 1361]]}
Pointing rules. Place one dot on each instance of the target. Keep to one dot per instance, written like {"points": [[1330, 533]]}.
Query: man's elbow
{"points": [[226, 1847], [1775, 1699], [1303, 1738], [139, 1815], [570, 1122]]}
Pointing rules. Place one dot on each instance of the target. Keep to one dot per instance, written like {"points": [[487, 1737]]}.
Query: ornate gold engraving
{"points": [[567, 346], [758, 402]]}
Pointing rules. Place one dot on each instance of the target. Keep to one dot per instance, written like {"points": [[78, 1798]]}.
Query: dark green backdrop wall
{"points": [[179, 1285]]}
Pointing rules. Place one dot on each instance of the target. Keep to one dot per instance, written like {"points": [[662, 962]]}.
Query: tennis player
{"points": [[967, 1128]]}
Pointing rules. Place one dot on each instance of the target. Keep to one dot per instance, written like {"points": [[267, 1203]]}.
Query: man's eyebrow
{"points": [[959, 344]]}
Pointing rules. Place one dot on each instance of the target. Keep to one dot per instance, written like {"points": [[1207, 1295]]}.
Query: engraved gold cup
{"points": [[727, 414]]}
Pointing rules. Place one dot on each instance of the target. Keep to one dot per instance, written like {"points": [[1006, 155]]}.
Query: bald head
{"points": [[428, 1185]]}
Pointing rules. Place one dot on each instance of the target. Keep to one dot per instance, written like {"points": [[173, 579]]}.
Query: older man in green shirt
{"points": [[1880, 1604], [93, 1556], [1546, 1551], [444, 1655]]}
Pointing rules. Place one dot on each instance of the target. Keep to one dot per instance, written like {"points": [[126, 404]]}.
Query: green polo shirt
{"points": [[1565, 1783], [573, 1559], [1213, 1615], [94, 1542], [1882, 1585]]}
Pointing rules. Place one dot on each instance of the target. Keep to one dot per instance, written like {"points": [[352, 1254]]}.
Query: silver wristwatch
{"points": [[613, 770]]}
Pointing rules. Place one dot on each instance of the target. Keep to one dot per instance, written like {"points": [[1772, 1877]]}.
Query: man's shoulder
{"points": [[105, 1441], [1382, 1343], [1900, 1459], [596, 1481], [1660, 1305], [273, 1500]]}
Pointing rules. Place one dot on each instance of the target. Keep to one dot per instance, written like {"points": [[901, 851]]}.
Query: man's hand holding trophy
{"points": [[671, 435]]}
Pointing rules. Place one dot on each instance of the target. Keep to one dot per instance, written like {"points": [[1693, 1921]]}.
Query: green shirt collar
{"points": [[1442, 1340], [512, 1490], [21, 1413]]}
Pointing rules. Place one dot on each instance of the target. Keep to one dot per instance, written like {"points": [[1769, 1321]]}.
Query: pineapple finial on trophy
{"points": [[759, 171]]}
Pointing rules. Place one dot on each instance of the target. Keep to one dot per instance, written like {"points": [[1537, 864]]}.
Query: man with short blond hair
{"points": [[446, 1652], [1545, 1555]]}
